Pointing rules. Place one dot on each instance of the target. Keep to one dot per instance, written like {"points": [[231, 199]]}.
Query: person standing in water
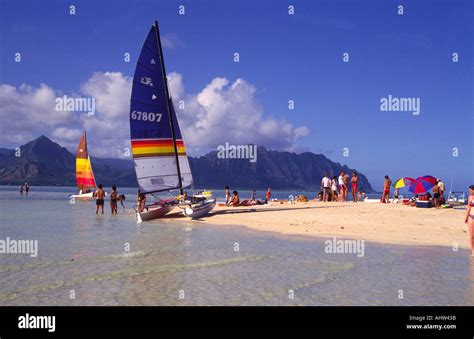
{"points": [[99, 199], [354, 185], [113, 199], [470, 218], [27, 188], [21, 189], [141, 201]]}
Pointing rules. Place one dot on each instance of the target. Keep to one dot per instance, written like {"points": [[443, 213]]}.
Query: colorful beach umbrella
{"points": [[403, 182], [422, 184]]}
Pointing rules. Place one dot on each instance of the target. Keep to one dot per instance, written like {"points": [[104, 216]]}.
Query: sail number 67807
{"points": [[146, 116]]}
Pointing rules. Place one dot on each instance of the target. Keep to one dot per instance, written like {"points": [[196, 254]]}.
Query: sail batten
{"points": [[155, 148], [84, 175]]}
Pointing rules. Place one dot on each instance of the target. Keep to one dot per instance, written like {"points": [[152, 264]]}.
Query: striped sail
{"points": [[84, 175], [150, 129]]}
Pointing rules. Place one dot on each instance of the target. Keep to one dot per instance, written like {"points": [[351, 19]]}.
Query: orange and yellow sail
{"points": [[84, 175]]}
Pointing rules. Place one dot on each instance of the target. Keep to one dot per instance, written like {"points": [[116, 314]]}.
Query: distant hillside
{"points": [[275, 169], [44, 162]]}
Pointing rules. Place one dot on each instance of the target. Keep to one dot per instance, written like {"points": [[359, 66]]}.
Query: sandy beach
{"points": [[382, 223]]}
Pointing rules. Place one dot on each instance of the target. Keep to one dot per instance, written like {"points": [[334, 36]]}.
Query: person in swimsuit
{"points": [[27, 188], [99, 199], [141, 201], [268, 195], [227, 194], [346, 186], [386, 189], [436, 196], [234, 200], [470, 217], [342, 189], [354, 185], [326, 185], [334, 188], [254, 196], [113, 199]]}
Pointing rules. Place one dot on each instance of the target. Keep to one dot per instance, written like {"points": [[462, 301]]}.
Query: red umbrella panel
{"points": [[422, 184]]}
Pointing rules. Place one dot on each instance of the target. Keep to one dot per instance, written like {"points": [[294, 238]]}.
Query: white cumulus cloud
{"points": [[221, 112]]}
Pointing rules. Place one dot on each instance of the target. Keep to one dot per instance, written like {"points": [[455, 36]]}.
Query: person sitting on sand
{"points": [[234, 200], [227, 194], [470, 217], [396, 196], [386, 189], [99, 199]]}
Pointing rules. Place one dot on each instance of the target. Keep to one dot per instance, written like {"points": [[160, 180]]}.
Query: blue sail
{"points": [[153, 147]]}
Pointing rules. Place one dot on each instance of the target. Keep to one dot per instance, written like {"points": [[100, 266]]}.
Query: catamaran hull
{"points": [[200, 210], [84, 196], [153, 212]]}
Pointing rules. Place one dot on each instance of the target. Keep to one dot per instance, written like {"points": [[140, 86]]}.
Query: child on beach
{"points": [[470, 217]]}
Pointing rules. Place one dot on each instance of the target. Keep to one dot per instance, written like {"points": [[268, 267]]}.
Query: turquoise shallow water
{"points": [[110, 260]]}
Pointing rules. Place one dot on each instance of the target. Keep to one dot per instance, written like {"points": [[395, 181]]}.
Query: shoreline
{"points": [[372, 222]]}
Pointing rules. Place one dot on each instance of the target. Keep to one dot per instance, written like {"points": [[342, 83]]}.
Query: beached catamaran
{"points": [[158, 148], [84, 175]]}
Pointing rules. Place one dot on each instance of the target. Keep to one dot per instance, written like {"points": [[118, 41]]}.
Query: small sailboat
{"points": [[84, 175], [158, 149]]}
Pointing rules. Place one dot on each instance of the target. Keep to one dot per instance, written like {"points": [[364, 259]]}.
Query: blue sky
{"points": [[283, 57]]}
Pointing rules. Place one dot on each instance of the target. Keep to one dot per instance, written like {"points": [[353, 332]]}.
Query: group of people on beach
{"points": [[234, 200], [337, 188], [99, 196]]}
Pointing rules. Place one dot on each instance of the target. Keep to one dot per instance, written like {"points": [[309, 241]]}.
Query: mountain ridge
{"points": [[44, 162]]}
